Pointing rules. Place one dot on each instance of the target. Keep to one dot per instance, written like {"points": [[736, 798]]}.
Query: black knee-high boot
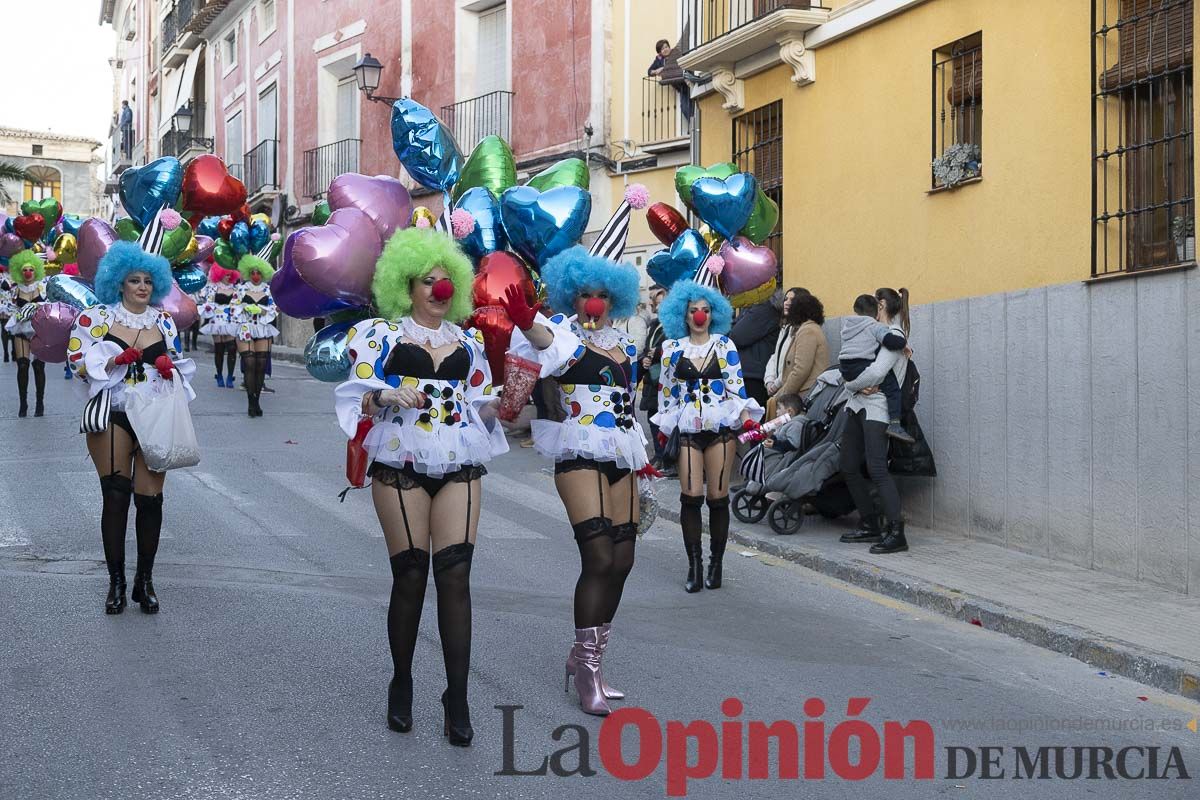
{"points": [[260, 378], [693, 526], [116, 490], [452, 577], [219, 358], [410, 574], [718, 533], [148, 526], [39, 382], [23, 386], [5, 341], [231, 361]]}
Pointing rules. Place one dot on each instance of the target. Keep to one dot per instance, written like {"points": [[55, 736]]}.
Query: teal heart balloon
{"points": [[71, 223], [144, 190], [725, 203], [190, 278], [680, 261], [260, 234], [540, 225], [488, 234]]}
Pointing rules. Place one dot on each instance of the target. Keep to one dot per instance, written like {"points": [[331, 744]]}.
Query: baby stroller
{"points": [[808, 474]]}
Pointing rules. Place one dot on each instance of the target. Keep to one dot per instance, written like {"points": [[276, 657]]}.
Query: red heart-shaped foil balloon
{"points": [[497, 328], [30, 227], [497, 271], [208, 188], [225, 227], [665, 223]]}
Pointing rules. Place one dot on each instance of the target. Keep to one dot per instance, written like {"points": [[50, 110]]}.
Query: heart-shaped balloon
{"points": [[321, 212], [490, 165], [204, 247], [260, 234], [686, 176], [568, 172], [755, 296], [225, 227], [49, 208], [128, 229], [176, 242], [71, 223], [239, 238], [725, 203], [680, 261], [94, 239], [208, 227], [498, 271], [10, 244], [540, 225], [190, 278], [665, 223], [325, 356], [29, 226], [52, 324], [66, 289], [383, 199], [747, 265], [224, 255], [488, 233], [181, 308], [208, 188], [763, 219], [497, 328], [66, 248], [424, 145], [144, 190], [296, 298], [338, 258]]}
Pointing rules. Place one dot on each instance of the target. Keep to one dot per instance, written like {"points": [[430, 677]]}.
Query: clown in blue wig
{"points": [[673, 311], [123, 259], [574, 272]]}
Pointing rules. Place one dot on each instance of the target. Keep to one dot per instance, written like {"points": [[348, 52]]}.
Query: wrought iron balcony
{"points": [[121, 148], [183, 145], [236, 171], [663, 118], [486, 115], [707, 20], [323, 164], [262, 167], [177, 37]]}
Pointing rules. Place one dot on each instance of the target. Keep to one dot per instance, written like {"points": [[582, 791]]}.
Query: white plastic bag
{"points": [[160, 417]]}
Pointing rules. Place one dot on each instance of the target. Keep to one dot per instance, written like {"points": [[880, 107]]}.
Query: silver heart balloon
{"points": [[72, 291]]}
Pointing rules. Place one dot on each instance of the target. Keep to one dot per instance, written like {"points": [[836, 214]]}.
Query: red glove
{"points": [[750, 425], [165, 366], [649, 471], [130, 355], [662, 439], [519, 311]]}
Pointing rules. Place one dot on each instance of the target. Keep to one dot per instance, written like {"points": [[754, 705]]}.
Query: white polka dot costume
{"points": [[708, 403]]}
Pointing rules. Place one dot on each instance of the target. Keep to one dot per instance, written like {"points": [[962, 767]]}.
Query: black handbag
{"points": [[671, 448]]}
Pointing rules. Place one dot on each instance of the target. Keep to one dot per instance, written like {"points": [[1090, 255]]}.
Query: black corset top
{"points": [[413, 361], [149, 354], [687, 371], [595, 368]]}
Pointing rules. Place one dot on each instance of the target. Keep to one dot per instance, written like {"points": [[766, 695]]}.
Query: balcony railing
{"points": [[706, 20], [323, 164], [236, 171], [261, 167], [486, 115], [121, 148], [177, 143], [175, 23], [663, 106]]}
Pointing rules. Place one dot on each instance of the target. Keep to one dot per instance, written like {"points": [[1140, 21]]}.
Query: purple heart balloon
{"points": [[383, 199], [52, 324], [10, 244], [747, 265], [94, 239], [296, 298], [204, 248], [338, 258], [181, 307]]}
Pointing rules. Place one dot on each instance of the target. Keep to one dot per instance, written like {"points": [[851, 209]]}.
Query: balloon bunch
{"points": [[164, 192], [728, 250], [43, 227]]}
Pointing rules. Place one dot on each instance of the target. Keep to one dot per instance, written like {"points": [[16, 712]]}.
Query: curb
{"points": [[1162, 671]]}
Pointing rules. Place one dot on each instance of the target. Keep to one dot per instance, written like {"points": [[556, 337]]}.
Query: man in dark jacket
{"points": [[754, 333], [651, 356]]}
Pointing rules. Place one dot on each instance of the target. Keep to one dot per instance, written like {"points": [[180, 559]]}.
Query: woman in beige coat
{"points": [[807, 355]]}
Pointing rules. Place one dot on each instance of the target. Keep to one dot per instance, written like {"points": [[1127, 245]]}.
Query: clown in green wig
{"points": [[410, 255], [26, 261], [250, 264]]}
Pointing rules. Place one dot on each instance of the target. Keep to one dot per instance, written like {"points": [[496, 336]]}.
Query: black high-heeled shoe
{"points": [[115, 602], [460, 732], [143, 593], [399, 710]]}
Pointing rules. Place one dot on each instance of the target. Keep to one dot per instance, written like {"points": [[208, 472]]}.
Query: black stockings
{"points": [[452, 577], [148, 526], [116, 490]]}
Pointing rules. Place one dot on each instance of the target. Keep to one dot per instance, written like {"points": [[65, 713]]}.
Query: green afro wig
{"points": [[251, 263], [410, 255], [23, 259]]}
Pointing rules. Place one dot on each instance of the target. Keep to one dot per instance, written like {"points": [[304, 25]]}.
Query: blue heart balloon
{"points": [[725, 204], [70, 290], [208, 227], [325, 356], [680, 261], [260, 234], [190, 278], [144, 190], [488, 235], [540, 225], [424, 145], [239, 238], [71, 223]]}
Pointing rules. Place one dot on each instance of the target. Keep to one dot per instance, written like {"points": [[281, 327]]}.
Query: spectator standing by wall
{"points": [[754, 333], [651, 357], [808, 352]]}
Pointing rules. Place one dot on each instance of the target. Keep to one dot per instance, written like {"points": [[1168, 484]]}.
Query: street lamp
{"points": [[183, 120], [367, 72]]}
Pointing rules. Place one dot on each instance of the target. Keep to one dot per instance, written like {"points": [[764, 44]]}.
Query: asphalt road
{"points": [[265, 674]]}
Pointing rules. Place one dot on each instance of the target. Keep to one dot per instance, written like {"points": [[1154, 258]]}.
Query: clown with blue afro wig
{"points": [[124, 259], [673, 311], [574, 271]]}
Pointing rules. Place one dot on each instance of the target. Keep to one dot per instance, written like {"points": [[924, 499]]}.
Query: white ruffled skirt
{"points": [[563, 441], [19, 328], [438, 452], [257, 330]]}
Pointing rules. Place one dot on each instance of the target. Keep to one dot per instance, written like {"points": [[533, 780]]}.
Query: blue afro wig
{"points": [[574, 270], [673, 310], [124, 258]]}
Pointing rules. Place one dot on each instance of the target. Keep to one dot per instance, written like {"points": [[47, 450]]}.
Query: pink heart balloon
{"points": [[10, 244], [338, 258], [181, 308], [383, 199], [747, 266], [204, 248], [94, 239], [52, 324]]}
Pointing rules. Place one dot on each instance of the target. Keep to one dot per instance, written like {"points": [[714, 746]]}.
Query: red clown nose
{"points": [[443, 290], [594, 307], [699, 317]]}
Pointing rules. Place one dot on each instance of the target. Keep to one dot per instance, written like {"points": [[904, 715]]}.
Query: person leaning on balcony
{"points": [[126, 123], [662, 51], [807, 352]]}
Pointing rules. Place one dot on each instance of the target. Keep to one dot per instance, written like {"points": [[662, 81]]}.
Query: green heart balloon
{"points": [[491, 164], [686, 176], [223, 254], [568, 172], [762, 220], [128, 229], [321, 212], [50, 209], [174, 242]]}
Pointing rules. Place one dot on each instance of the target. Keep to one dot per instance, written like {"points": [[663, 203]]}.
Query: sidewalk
{"points": [[1115, 624]]}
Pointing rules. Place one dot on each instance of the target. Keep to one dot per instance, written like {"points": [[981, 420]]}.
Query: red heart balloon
{"points": [[225, 227], [666, 223], [30, 227], [497, 328], [497, 271], [242, 214], [208, 188]]}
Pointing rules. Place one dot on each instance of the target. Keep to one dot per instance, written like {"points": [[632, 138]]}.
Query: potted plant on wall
{"points": [[1183, 232], [959, 163]]}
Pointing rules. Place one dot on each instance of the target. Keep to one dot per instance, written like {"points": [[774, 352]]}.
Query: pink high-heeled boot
{"points": [[588, 684], [609, 691]]}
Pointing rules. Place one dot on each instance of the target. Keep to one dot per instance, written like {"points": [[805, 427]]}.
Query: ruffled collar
{"points": [[441, 336], [139, 322], [695, 351], [606, 338]]}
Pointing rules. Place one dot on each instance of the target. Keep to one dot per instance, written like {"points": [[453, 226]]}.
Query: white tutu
{"points": [[18, 328], [220, 327], [563, 441], [437, 452], [257, 330]]}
